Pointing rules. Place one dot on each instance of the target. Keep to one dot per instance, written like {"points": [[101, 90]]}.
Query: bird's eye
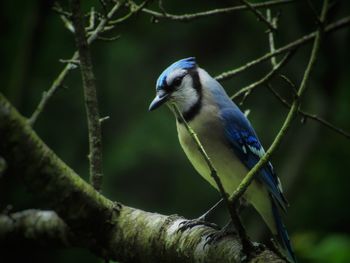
{"points": [[177, 81]]}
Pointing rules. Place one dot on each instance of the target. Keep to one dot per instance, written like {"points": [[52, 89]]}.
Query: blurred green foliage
{"points": [[143, 162]]}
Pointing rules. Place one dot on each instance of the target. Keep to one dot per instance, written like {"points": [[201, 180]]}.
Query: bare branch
{"points": [[273, 21], [299, 42], [59, 80], [291, 114], [265, 79], [219, 11], [90, 95], [134, 9], [308, 115], [258, 14], [92, 17], [108, 38]]}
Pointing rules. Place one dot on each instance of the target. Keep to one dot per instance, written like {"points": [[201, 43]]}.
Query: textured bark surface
{"points": [[90, 96], [109, 229]]}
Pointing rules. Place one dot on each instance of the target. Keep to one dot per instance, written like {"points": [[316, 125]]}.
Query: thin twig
{"points": [[134, 9], [67, 23], [299, 42], [193, 16], [92, 17], [72, 62], [314, 12], [275, 67], [108, 38], [59, 10], [51, 91], [308, 115], [273, 21], [90, 94], [214, 175], [58, 81], [104, 7], [265, 79], [258, 14], [103, 119], [202, 151], [291, 114], [290, 83]]}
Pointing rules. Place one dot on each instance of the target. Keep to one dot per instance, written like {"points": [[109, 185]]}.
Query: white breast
{"points": [[210, 132], [230, 169]]}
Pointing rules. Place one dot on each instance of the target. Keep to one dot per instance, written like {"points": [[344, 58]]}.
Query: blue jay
{"points": [[226, 135]]}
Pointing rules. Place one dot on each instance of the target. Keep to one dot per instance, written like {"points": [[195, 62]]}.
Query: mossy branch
{"points": [[90, 97], [34, 227], [111, 230]]}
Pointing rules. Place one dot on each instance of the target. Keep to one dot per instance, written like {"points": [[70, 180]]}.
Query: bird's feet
{"points": [[200, 221], [227, 230]]}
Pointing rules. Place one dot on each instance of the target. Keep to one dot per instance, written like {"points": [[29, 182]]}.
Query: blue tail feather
{"points": [[282, 237]]}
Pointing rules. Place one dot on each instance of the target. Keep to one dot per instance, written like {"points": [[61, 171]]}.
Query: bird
{"points": [[228, 138]]}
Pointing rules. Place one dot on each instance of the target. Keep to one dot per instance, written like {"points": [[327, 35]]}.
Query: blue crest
{"points": [[186, 63]]}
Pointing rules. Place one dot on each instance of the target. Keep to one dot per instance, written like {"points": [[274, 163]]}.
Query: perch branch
{"points": [[111, 230]]}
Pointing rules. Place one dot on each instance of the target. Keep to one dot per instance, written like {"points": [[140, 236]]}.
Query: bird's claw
{"points": [[188, 224], [218, 235]]}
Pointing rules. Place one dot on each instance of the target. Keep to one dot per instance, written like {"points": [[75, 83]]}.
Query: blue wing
{"points": [[244, 142]]}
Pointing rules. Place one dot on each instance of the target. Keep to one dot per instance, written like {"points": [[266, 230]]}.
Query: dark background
{"points": [[144, 165]]}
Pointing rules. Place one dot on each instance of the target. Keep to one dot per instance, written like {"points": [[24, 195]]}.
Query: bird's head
{"points": [[178, 83]]}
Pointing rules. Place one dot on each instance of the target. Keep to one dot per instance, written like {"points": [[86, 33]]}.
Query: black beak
{"points": [[159, 100]]}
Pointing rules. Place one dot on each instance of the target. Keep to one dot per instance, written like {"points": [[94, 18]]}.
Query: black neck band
{"points": [[195, 108]]}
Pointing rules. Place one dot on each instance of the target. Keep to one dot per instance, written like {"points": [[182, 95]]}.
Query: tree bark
{"points": [[111, 230]]}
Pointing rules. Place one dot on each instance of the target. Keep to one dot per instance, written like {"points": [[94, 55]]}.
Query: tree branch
{"points": [[111, 230], [90, 96], [134, 9], [273, 21], [59, 80], [291, 114], [299, 42], [34, 226], [312, 116], [265, 79], [193, 16], [258, 14]]}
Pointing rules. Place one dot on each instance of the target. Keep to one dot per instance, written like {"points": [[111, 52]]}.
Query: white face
{"points": [[184, 94]]}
